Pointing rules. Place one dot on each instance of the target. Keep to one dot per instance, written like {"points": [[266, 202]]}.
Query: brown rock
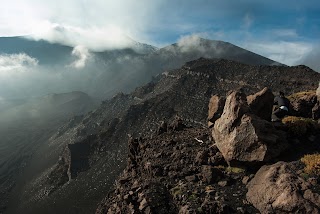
{"points": [[191, 178], [216, 105], [245, 180], [143, 204], [243, 137], [162, 128], [210, 124], [223, 183], [211, 174], [302, 104], [316, 111], [184, 210], [177, 124], [313, 197], [202, 157], [278, 189], [261, 103]]}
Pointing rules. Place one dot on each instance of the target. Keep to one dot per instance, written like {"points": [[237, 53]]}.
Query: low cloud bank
{"points": [[16, 62]]}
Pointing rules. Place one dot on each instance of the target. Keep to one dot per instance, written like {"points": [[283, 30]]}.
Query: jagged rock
{"points": [[216, 105], [261, 103], [302, 104], [177, 124], [202, 157], [162, 128], [318, 92], [278, 189], [244, 137], [211, 174], [316, 111], [316, 108], [79, 158]]}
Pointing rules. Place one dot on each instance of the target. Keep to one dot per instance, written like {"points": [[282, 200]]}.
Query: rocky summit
{"points": [[157, 139]]}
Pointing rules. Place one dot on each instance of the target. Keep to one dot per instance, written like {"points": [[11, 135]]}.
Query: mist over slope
{"points": [[25, 126], [35, 68]]}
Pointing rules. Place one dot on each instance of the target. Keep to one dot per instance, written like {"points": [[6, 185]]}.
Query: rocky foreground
{"points": [[242, 163]]}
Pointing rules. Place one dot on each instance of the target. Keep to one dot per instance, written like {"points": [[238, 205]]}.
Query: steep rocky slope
{"points": [[94, 146], [26, 126], [185, 170]]}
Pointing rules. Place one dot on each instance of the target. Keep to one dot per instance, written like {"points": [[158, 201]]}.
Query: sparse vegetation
{"points": [[301, 94], [235, 170], [299, 126], [231, 169], [312, 164]]}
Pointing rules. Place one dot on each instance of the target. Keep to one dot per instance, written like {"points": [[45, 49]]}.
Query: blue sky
{"points": [[287, 31]]}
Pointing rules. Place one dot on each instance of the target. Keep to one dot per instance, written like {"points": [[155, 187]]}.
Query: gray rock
{"points": [[278, 189]]}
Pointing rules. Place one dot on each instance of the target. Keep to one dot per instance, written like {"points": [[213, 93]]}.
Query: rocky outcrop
{"points": [[79, 158], [316, 108], [216, 105], [279, 189], [261, 103], [244, 137], [302, 103], [176, 172]]}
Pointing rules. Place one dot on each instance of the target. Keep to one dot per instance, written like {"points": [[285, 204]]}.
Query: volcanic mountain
{"points": [[63, 68], [91, 150]]}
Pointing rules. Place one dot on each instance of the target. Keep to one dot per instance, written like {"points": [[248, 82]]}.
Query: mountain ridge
{"points": [[184, 92]]}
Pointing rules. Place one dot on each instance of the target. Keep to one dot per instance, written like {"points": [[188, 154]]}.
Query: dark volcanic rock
{"points": [[279, 189], [243, 137], [261, 103], [79, 158], [184, 186]]}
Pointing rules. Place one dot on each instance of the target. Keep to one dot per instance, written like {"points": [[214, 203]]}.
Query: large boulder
{"points": [[261, 103], [244, 137], [216, 105], [316, 111], [278, 188], [316, 108], [302, 103]]}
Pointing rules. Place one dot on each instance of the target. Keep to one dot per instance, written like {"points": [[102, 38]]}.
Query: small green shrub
{"points": [[230, 169], [235, 170]]}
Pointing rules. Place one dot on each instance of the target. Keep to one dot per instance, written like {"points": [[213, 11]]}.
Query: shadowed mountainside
{"points": [[25, 126], [184, 92]]}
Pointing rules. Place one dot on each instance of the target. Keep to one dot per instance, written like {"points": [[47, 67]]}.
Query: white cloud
{"points": [[16, 62], [289, 53], [94, 38], [286, 33], [98, 25], [82, 54], [247, 21]]}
